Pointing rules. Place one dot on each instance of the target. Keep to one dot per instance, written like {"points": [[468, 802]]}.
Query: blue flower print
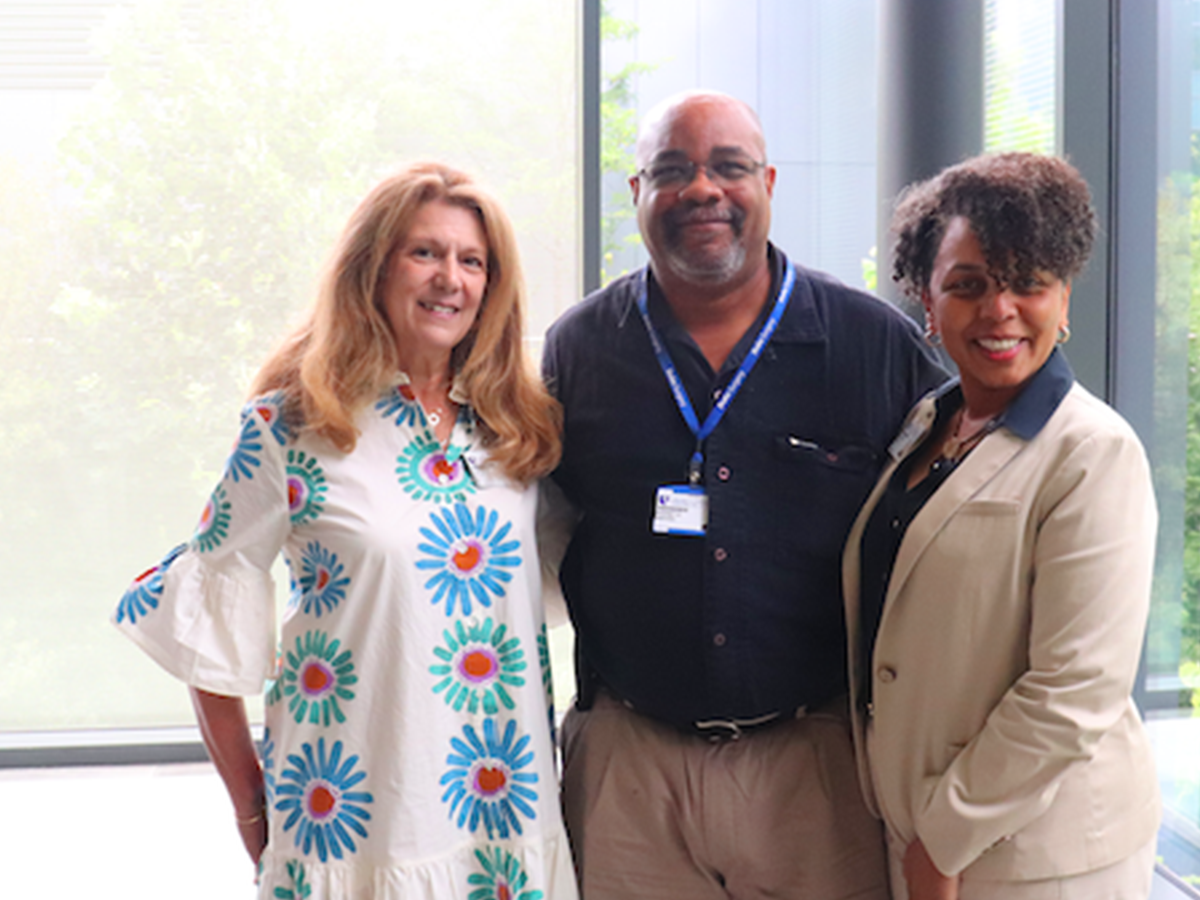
{"points": [[543, 648], [299, 888], [316, 675], [270, 409], [315, 792], [145, 592], [469, 554], [322, 584], [501, 878], [266, 753], [214, 522], [426, 472], [245, 456], [401, 404], [485, 784], [295, 594], [477, 666], [306, 487]]}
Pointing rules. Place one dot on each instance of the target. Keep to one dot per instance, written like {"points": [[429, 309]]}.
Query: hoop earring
{"points": [[1064, 334]]}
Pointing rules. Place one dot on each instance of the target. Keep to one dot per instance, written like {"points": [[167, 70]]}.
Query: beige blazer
{"points": [[1002, 732]]}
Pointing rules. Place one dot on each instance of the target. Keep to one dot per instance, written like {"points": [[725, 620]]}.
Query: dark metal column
{"points": [[590, 138], [930, 99], [1087, 135]]}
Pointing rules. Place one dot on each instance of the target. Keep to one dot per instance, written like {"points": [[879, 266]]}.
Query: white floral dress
{"points": [[408, 751]]}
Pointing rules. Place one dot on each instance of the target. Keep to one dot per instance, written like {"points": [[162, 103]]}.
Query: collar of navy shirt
{"points": [[800, 322]]}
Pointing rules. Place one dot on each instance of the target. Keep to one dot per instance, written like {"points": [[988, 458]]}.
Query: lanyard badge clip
{"points": [[682, 509]]}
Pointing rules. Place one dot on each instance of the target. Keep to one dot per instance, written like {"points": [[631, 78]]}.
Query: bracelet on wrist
{"points": [[250, 820]]}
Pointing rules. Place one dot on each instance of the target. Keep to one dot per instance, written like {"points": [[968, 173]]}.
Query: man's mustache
{"points": [[699, 214]]}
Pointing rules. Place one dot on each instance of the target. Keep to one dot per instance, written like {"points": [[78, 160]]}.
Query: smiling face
{"points": [[436, 280], [999, 337], [704, 232]]}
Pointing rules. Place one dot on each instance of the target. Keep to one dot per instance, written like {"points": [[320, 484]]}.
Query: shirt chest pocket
{"points": [[821, 485]]}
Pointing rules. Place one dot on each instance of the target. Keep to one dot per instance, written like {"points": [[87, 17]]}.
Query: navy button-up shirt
{"points": [[747, 619]]}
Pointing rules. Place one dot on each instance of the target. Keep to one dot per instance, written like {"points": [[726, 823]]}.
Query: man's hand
{"points": [[925, 882]]}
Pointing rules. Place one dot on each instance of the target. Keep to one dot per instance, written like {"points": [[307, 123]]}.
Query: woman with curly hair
{"points": [[390, 453], [998, 578]]}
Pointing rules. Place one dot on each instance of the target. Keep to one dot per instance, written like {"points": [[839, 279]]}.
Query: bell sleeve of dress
{"points": [[1089, 601], [206, 613]]}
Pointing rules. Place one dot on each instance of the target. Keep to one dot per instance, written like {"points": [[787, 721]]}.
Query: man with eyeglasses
{"points": [[725, 414]]}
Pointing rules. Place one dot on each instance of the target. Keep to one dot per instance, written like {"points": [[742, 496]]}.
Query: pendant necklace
{"points": [[955, 447]]}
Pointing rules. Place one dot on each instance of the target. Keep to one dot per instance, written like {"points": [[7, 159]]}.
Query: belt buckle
{"points": [[719, 730]]}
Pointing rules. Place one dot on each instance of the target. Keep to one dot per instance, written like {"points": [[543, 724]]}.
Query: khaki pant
{"points": [[656, 813]]}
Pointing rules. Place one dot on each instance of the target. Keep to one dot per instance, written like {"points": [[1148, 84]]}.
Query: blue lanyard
{"points": [[677, 389]]}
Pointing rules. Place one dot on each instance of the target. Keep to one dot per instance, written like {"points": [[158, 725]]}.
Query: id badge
{"points": [[680, 509]]}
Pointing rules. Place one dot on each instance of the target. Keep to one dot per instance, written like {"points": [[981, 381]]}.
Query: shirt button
{"points": [[720, 554], [886, 674], [719, 639], [723, 473]]}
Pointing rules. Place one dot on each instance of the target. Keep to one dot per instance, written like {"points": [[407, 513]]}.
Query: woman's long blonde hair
{"points": [[343, 355]]}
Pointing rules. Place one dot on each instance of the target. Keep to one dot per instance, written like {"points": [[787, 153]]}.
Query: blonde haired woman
{"points": [[390, 454]]}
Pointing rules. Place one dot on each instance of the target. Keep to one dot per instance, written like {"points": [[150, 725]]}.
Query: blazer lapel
{"points": [[980, 467], [916, 425]]}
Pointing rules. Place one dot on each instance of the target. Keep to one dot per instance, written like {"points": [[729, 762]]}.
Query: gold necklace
{"points": [[955, 447]]}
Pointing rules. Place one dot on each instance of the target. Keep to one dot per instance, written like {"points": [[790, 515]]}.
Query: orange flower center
{"points": [[315, 678], [466, 560], [489, 781], [477, 664], [321, 801]]}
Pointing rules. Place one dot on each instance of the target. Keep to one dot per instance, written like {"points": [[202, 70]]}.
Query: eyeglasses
{"points": [[678, 174]]}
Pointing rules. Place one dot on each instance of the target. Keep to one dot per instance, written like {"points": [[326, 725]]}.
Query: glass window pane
{"points": [[178, 177], [1020, 75], [808, 69], [1173, 645]]}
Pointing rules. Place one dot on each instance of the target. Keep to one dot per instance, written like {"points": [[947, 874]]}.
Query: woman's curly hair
{"points": [[1029, 213]]}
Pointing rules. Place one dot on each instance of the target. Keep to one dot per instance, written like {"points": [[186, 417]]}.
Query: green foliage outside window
{"points": [[1190, 619], [151, 265], [618, 134]]}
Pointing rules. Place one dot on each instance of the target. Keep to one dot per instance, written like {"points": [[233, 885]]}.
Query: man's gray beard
{"points": [[714, 271]]}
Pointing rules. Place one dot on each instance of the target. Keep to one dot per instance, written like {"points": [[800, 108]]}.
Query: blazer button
{"points": [[886, 674]]}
